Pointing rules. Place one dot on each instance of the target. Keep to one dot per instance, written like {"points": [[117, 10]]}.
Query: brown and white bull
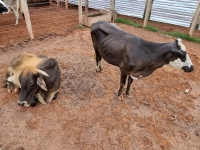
{"points": [[134, 56], [37, 77]]}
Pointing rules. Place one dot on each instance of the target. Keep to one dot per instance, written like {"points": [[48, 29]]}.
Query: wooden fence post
{"points": [[195, 19], [50, 2], [27, 18], [66, 4], [113, 9], [86, 6], [58, 3], [147, 12], [80, 12]]}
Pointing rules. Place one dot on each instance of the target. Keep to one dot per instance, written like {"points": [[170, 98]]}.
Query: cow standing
{"points": [[37, 76], [15, 5], [134, 56]]}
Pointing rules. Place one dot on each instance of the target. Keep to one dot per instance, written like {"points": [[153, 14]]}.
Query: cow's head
{"points": [[31, 81], [3, 8], [182, 60]]}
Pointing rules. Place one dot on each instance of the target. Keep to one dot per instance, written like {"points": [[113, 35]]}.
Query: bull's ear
{"points": [[179, 53], [41, 83]]}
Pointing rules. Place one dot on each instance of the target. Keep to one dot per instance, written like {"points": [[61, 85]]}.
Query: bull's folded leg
{"points": [[40, 98], [10, 87], [122, 83], [50, 97], [55, 96], [130, 81]]}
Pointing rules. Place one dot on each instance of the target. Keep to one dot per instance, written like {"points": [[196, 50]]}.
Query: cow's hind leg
{"points": [[130, 81], [122, 83], [98, 60]]}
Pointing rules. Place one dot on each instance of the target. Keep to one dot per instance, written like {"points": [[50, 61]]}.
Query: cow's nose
{"points": [[188, 69], [21, 103]]}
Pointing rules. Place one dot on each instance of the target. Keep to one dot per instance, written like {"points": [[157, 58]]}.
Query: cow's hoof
{"points": [[120, 98], [98, 69], [9, 90], [17, 90], [129, 95]]}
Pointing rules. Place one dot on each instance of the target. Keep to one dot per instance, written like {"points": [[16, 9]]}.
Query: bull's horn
{"points": [[42, 72]]}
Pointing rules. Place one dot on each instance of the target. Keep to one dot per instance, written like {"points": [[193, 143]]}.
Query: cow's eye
{"points": [[31, 82]]}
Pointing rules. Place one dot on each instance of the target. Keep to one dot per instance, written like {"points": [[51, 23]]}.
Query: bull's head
{"points": [[31, 81], [183, 60]]}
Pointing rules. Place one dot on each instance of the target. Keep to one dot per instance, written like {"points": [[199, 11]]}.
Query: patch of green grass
{"points": [[151, 28], [128, 22], [182, 36], [154, 29], [79, 27]]}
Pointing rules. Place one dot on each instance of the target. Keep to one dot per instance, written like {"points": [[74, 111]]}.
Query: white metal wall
{"points": [[177, 12], [133, 8], [96, 4]]}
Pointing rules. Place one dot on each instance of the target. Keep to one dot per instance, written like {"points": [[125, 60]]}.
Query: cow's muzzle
{"points": [[23, 103], [188, 69]]}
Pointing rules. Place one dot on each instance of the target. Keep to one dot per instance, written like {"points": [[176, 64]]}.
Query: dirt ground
{"points": [[87, 114]]}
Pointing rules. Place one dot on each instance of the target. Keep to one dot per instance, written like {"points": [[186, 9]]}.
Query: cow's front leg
{"points": [[130, 81], [122, 83], [98, 60]]}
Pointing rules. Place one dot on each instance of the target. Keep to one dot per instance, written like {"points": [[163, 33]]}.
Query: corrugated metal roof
{"points": [[133, 8], [177, 12]]}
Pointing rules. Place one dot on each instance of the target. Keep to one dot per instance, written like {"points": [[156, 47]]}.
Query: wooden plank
{"points": [[147, 13], [27, 18], [80, 15], [195, 19]]}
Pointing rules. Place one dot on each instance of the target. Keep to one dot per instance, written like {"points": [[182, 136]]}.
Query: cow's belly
{"points": [[111, 52]]}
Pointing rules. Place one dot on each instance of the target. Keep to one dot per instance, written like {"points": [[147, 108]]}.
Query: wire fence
{"points": [[46, 18]]}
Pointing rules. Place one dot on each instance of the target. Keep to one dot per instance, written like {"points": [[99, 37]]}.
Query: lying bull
{"points": [[37, 77], [134, 56], [15, 5]]}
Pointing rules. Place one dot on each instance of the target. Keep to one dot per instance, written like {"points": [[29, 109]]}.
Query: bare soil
{"points": [[87, 114]]}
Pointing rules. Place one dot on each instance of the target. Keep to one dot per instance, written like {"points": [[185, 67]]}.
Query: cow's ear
{"points": [[179, 53], [41, 83]]}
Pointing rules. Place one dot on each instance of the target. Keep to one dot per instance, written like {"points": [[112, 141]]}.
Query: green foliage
{"points": [[154, 29], [128, 22], [79, 27], [183, 36], [151, 28]]}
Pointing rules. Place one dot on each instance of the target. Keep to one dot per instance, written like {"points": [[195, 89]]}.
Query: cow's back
{"points": [[111, 42]]}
